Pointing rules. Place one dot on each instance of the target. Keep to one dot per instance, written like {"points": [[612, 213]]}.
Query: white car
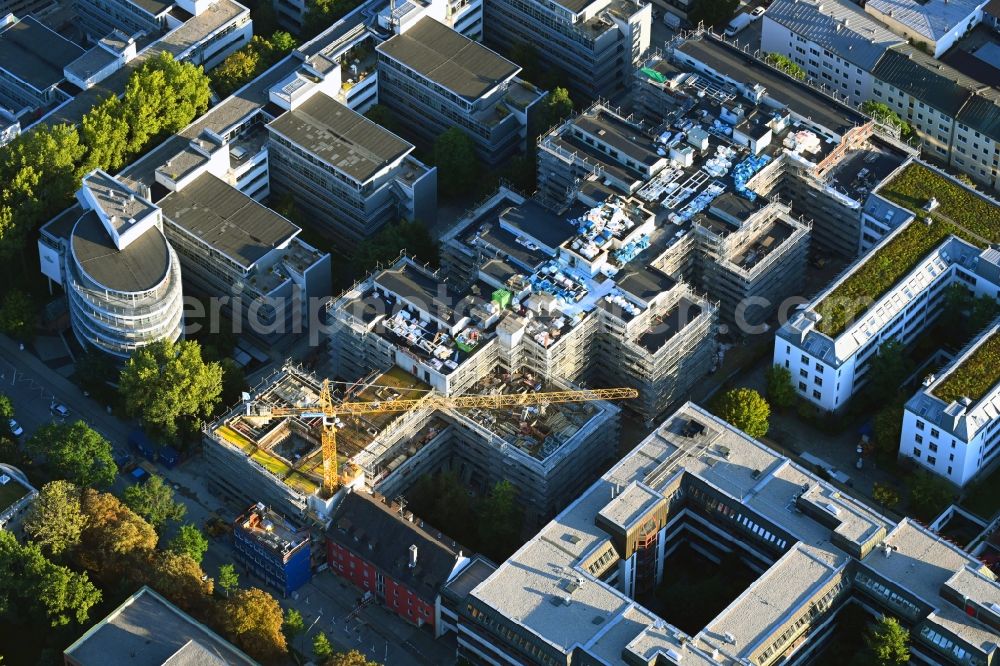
{"points": [[757, 12], [15, 428]]}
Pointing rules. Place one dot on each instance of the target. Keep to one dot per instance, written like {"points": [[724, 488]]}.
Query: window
{"points": [[819, 367], [916, 453], [804, 373], [931, 460], [920, 424], [935, 432], [818, 381], [817, 395], [933, 447], [805, 359], [919, 439], [802, 386]]}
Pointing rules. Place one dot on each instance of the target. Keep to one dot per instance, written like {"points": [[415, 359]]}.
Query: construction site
{"points": [[548, 450]]}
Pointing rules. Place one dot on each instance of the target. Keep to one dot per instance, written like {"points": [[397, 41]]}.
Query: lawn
{"points": [[912, 188], [975, 376]]}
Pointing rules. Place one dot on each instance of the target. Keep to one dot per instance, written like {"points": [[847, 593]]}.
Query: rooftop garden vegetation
{"points": [[786, 65], [975, 376], [960, 212]]}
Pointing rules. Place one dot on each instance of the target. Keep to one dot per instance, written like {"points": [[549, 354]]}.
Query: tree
{"points": [[884, 114], [44, 589], [321, 14], [94, 372], [112, 534], [500, 521], [382, 115], [456, 161], [385, 246], [929, 495], [17, 315], [780, 391], [55, 520], [154, 501], [75, 452], [167, 381], [6, 414], [744, 408], [175, 576], [885, 495], [321, 646], [253, 619], [888, 427], [786, 65], [188, 92], [713, 12], [889, 641], [293, 624], [234, 382], [238, 68], [191, 542], [440, 499], [558, 106], [889, 369], [104, 130], [352, 658], [228, 579]]}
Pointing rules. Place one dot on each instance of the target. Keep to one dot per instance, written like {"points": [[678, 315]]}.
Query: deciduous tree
{"points": [[112, 533], [885, 495], [253, 619], [191, 542], [105, 131], [352, 658], [166, 381], [293, 624], [500, 521], [744, 408], [780, 391], [321, 646], [55, 520], [457, 163], [177, 577], [154, 501], [228, 579], [17, 315], [889, 369], [889, 641], [76, 452]]}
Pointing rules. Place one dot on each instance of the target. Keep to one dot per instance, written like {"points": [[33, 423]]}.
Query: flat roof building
{"points": [[273, 549], [934, 25], [148, 630], [435, 78], [569, 595], [16, 496], [32, 58]]}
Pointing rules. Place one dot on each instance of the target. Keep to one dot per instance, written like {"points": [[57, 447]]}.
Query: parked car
{"points": [[59, 409], [757, 12], [15, 428]]}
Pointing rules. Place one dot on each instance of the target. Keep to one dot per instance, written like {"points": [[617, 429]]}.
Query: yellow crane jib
{"points": [[329, 412]]}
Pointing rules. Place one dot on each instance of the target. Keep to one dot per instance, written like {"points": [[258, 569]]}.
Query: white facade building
{"points": [[834, 41], [934, 25], [952, 434], [829, 361]]}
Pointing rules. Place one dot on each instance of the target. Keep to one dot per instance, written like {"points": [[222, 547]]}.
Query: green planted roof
{"points": [[974, 376], [960, 213]]}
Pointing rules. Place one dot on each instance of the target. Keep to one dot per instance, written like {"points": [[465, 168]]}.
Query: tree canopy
{"points": [[745, 409], [253, 619], [882, 113], [352, 658], [113, 533], [321, 646], [76, 452], [55, 519], [889, 642], [47, 590], [228, 579], [321, 14], [189, 541], [780, 391], [713, 12], [246, 64], [154, 501], [456, 161], [166, 382], [500, 522], [17, 315], [385, 246], [889, 369]]}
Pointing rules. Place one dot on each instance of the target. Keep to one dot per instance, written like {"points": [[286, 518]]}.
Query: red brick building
{"points": [[382, 550]]}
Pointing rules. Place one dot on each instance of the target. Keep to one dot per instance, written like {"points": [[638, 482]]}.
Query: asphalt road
{"points": [[325, 602]]}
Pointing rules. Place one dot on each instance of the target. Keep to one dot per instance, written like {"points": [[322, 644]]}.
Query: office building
{"points": [[571, 594], [828, 346], [435, 78], [390, 554], [834, 41], [16, 496], [951, 426], [121, 275], [350, 174], [148, 630], [933, 27], [593, 44], [32, 59], [273, 549]]}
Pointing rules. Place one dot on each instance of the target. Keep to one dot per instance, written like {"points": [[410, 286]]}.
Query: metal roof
{"points": [[921, 76], [35, 54], [345, 140], [837, 26], [449, 59], [227, 220], [929, 19]]}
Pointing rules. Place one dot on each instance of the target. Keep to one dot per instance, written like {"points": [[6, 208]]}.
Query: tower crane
{"points": [[330, 412]]}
